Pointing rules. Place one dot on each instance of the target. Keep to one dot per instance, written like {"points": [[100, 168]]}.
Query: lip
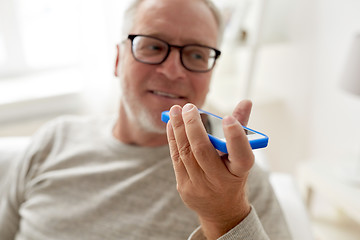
{"points": [[168, 95]]}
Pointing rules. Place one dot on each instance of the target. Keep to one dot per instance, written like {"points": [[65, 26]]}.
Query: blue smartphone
{"points": [[215, 132]]}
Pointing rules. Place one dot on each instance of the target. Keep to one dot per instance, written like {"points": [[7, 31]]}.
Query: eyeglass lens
{"points": [[155, 51]]}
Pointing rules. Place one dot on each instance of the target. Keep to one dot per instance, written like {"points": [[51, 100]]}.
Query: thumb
{"points": [[242, 111], [240, 158]]}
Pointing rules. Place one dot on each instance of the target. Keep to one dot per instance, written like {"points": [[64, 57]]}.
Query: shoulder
{"points": [[72, 124], [68, 129], [64, 135]]}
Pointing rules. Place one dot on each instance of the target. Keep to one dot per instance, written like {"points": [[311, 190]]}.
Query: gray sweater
{"points": [[76, 181]]}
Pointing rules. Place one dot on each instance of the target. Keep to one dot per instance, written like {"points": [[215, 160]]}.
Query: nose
{"points": [[172, 67]]}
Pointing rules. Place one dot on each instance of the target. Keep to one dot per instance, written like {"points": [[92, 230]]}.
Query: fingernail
{"points": [[228, 120], [188, 107], [175, 111]]}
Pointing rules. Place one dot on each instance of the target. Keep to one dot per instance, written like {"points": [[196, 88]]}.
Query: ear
{"points": [[117, 60]]}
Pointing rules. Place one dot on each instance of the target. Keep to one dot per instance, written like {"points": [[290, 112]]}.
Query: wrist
{"points": [[215, 228]]}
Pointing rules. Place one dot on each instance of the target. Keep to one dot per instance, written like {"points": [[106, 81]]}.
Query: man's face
{"points": [[147, 90]]}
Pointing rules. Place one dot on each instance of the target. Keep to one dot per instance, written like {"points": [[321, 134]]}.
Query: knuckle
{"points": [[185, 191], [173, 148], [174, 155], [176, 123], [180, 189], [172, 141], [247, 161], [200, 150], [185, 150], [251, 161], [235, 130], [190, 121]]}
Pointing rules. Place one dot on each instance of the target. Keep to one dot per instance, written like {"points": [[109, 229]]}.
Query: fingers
{"points": [[204, 182], [181, 149], [241, 157], [202, 149], [242, 112], [192, 143], [192, 152], [179, 168]]}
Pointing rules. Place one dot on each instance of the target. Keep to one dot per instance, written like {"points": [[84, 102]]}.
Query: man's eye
{"points": [[197, 56], [154, 47]]}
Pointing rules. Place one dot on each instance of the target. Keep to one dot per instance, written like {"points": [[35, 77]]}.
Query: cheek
{"points": [[201, 87], [134, 75]]}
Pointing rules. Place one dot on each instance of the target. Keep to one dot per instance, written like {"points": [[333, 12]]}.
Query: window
{"points": [[56, 50], [2, 51], [38, 35]]}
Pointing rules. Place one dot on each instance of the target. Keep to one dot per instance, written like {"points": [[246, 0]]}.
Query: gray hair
{"points": [[130, 11]]}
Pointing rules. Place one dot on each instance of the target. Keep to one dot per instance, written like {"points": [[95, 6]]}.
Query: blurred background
{"points": [[289, 57]]}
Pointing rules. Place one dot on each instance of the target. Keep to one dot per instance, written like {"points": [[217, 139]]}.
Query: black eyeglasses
{"points": [[194, 57]]}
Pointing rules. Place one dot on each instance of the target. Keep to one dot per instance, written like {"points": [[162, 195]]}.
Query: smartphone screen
{"points": [[213, 126]]}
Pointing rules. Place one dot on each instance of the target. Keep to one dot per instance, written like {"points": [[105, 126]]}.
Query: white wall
{"points": [[322, 120], [336, 117], [284, 78], [297, 100]]}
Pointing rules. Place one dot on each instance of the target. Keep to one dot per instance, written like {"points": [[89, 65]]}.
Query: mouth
{"points": [[167, 95]]}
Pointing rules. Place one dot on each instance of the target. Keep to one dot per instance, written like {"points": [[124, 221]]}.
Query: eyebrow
{"points": [[184, 41]]}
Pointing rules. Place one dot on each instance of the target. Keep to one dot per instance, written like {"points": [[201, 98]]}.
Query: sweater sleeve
{"points": [[13, 194], [250, 229], [9, 203]]}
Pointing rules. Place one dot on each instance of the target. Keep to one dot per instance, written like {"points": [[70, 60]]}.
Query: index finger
{"points": [[203, 150]]}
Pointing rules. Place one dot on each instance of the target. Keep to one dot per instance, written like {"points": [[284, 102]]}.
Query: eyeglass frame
{"points": [[131, 37]]}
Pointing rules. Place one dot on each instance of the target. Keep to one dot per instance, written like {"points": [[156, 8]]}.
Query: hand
{"points": [[211, 184]]}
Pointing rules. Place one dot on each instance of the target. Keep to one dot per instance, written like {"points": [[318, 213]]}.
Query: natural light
{"points": [[55, 48], [51, 32], [59, 47]]}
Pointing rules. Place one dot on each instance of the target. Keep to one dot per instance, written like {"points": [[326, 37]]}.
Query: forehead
{"points": [[177, 21]]}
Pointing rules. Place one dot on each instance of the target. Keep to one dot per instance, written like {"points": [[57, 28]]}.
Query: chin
{"points": [[150, 122], [153, 127]]}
